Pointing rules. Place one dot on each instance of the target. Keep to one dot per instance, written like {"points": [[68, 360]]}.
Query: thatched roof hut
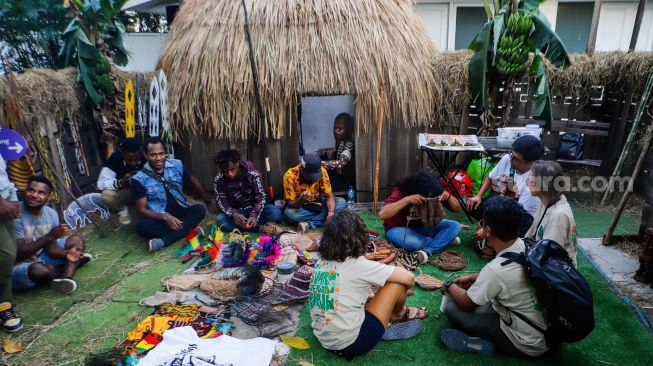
{"points": [[301, 47]]}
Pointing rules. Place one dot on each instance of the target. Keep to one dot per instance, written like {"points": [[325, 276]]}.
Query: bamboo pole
{"points": [[631, 184], [591, 42], [638, 24], [379, 134], [631, 135]]}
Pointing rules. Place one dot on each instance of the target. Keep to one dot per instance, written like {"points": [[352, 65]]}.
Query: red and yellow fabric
{"points": [[294, 185]]}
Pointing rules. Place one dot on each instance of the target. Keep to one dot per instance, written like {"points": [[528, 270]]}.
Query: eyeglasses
{"points": [[516, 159]]}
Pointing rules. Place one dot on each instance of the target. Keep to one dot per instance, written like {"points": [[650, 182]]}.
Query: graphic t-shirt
{"points": [[508, 289], [31, 228], [337, 298], [558, 225], [501, 174]]}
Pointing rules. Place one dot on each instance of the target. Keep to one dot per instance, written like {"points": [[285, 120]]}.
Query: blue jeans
{"points": [[20, 273], [296, 215], [270, 213], [425, 238]]}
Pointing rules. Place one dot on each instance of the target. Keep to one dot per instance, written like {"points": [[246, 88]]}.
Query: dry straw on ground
{"points": [[301, 47]]}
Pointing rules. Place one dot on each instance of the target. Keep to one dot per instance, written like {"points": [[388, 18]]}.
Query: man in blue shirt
{"points": [[166, 215]]}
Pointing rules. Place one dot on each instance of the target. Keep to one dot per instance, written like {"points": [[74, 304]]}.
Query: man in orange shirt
{"points": [[308, 195]]}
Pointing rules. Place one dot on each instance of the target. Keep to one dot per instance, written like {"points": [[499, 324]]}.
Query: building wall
{"points": [[441, 21], [144, 50]]}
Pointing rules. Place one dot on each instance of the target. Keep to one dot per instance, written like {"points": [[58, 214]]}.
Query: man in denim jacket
{"points": [[166, 216]]}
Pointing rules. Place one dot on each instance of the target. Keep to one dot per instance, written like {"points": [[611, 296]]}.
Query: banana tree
{"points": [[514, 30], [93, 37]]}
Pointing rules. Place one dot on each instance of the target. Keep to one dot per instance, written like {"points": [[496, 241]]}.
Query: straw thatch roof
{"points": [[314, 47]]}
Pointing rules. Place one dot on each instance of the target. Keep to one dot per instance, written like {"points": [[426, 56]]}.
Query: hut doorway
{"points": [[318, 115]]}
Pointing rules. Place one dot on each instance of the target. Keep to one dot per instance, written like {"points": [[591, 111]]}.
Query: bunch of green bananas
{"points": [[102, 78], [513, 48]]}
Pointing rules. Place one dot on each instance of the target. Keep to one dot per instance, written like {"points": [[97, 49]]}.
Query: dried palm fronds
{"points": [[301, 47]]}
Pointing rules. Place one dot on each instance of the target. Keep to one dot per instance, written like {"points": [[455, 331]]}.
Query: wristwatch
{"points": [[445, 287]]}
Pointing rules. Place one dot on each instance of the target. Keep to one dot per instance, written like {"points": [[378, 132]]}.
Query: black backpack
{"points": [[563, 291], [571, 146]]}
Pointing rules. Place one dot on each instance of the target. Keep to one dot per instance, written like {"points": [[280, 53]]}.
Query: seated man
{"points": [[340, 164], [45, 253], [414, 235], [308, 195], [114, 178], [509, 178], [484, 304], [239, 194], [157, 189]]}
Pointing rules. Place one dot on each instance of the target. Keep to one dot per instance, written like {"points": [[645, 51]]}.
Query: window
{"points": [[469, 21], [573, 25]]}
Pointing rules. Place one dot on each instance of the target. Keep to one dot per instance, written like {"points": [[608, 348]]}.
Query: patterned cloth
{"points": [[343, 154], [294, 185], [244, 192]]}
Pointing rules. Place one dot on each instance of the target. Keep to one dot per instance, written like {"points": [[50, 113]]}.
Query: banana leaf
{"points": [[85, 74], [498, 29], [478, 65], [528, 5], [544, 38], [541, 94]]}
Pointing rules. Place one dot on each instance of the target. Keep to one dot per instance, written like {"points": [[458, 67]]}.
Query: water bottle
{"points": [[350, 197]]}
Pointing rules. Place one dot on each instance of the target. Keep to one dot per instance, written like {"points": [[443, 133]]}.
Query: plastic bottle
{"points": [[350, 197]]}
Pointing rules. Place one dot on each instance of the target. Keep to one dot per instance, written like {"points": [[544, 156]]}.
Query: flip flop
{"points": [[406, 317], [403, 330], [461, 342]]}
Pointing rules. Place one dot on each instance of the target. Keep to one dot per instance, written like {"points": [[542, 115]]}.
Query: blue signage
{"points": [[12, 145]]}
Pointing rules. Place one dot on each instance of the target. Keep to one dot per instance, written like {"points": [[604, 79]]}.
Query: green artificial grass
{"points": [[618, 339], [67, 329]]}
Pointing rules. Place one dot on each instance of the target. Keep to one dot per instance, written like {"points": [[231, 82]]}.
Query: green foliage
{"points": [[30, 32], [515, 32], [94, 35]]}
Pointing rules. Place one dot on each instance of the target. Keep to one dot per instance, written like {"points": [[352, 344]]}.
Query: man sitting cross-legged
{"points": [[46, 255], [309, 199], [484, 304], [166, 216], [239, 194]]}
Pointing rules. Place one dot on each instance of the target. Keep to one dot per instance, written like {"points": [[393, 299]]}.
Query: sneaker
{"points": [[456, 241], [461, 342], [84, 260], [10, 322], [303, 226], [421, 256], [123, 216], [64, 286], [155, 244]]}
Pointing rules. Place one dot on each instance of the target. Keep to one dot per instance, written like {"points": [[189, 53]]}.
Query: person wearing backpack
{"points": [[554, 219], [482, 306]]}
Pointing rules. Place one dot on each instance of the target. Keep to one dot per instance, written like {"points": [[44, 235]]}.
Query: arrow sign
{"points": [[12, 145]]}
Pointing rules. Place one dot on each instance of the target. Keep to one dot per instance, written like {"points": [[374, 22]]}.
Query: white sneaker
{"points": [[421, 256], [303, 226], [123, 216], [456, 241], [63, 285]]}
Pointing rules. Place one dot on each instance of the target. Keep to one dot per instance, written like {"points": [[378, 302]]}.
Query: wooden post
{"points": [[631, 184], [638, 25], [379, 134], [591, 42], [54, 152]]}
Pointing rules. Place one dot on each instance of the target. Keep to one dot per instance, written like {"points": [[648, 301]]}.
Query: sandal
{"points": [[420, 313], [403, 330], [461, 342]]}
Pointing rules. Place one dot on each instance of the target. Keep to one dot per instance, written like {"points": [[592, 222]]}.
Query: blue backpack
{"points": [[564, 292]]}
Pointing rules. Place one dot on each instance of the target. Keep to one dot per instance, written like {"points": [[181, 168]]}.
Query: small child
{"points": [[339, 291]]}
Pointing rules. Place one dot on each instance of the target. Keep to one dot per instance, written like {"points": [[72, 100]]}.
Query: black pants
{"points": [[190, 217], [484, 323]]}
